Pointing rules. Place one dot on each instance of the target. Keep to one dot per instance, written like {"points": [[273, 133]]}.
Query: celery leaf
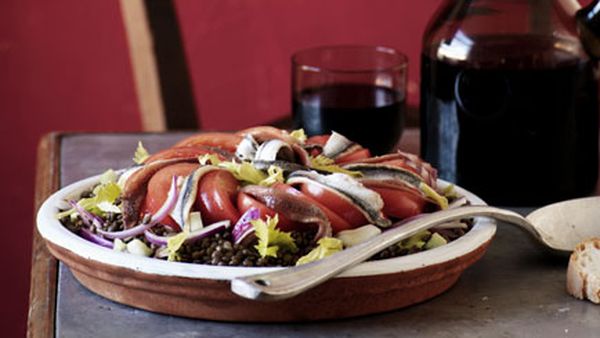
{"points": [[324, 163], [141, 154], [434, 196], [299, 135], [103, 201], [270, 239], [207, 159], [275, 175], [244, 171]]}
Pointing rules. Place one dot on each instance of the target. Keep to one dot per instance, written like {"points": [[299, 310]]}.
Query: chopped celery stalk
{"points": [[435, 241], [196, 221], [141, 154], [450, 192], [174, 243], [137, 247], [270, 239], [119, 245], [327, 247], [417, 241], [356, 236]]}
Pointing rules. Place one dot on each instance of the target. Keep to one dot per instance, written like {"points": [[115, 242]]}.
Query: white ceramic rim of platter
{"points": [[53, 231]]}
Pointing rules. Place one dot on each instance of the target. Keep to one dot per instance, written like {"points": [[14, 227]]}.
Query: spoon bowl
{"points": [[559, 227], [563, 225]]}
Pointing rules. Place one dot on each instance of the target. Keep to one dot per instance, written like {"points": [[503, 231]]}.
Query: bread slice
{"points": [[583, 274]]}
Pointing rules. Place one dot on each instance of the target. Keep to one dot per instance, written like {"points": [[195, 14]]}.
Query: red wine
{"points": [[370, 115], [517, 128]]}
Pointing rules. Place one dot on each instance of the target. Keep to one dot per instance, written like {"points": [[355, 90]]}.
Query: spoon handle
{"points": [[286, 283]]}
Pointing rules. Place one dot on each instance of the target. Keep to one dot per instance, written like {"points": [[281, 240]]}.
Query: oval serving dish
{"points": [[203, 291]]}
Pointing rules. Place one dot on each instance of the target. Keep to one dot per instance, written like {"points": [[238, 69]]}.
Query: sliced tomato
{"points": [[318, 140], [330, 199], [217, 192], [181, 152], [226, 141], [355, 156], [337, 222], [400, 203], [158, 188], [245, 202]]}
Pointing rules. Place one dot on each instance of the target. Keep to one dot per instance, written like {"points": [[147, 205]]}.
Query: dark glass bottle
{"points": [[509, 101]]}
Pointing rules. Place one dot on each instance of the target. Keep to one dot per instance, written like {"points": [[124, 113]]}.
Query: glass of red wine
{"points": [[357, 91]]}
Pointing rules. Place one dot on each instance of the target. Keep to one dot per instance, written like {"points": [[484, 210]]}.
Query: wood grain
{"points": [[144, 65], [42, 293]]}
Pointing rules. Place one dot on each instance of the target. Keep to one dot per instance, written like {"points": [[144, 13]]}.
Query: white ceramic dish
{"points": [[85, 258], [51, 229]]}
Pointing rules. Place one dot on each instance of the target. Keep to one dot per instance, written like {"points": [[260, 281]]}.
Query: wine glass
{"points": [[357, 91]]}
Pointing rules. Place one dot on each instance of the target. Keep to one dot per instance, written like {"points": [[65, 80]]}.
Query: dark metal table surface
{"points": [[516, 290]]}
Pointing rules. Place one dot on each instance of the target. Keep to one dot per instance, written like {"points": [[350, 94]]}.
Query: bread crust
{"points": [[583, 274]]}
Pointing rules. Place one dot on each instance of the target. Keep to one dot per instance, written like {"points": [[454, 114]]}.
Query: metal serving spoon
{"points": [[558, 227]]}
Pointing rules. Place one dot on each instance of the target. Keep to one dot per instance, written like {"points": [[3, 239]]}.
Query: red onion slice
{"points": [[92, 237], [131, 232], [193, 236], [208, 231], [155, 239], [164, 210], [243, 228], [169, 204], [135, 188], [87, 217]]}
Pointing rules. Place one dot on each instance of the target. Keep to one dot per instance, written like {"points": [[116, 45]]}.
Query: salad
{"points": [[261, 197]]}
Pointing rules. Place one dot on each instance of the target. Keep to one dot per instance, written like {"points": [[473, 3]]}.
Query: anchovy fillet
{"points": [[187, 197], [385, 172], [367, 200]]}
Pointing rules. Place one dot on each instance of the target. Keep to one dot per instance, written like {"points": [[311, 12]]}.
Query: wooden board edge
{"points": [[44, 267]]}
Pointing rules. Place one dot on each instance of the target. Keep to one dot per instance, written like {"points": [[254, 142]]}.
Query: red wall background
{"points": [[64, 66]]}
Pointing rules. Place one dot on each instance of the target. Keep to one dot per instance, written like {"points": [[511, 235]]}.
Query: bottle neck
{"points": [[590, 15], [588, 26], [594, 8]]}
